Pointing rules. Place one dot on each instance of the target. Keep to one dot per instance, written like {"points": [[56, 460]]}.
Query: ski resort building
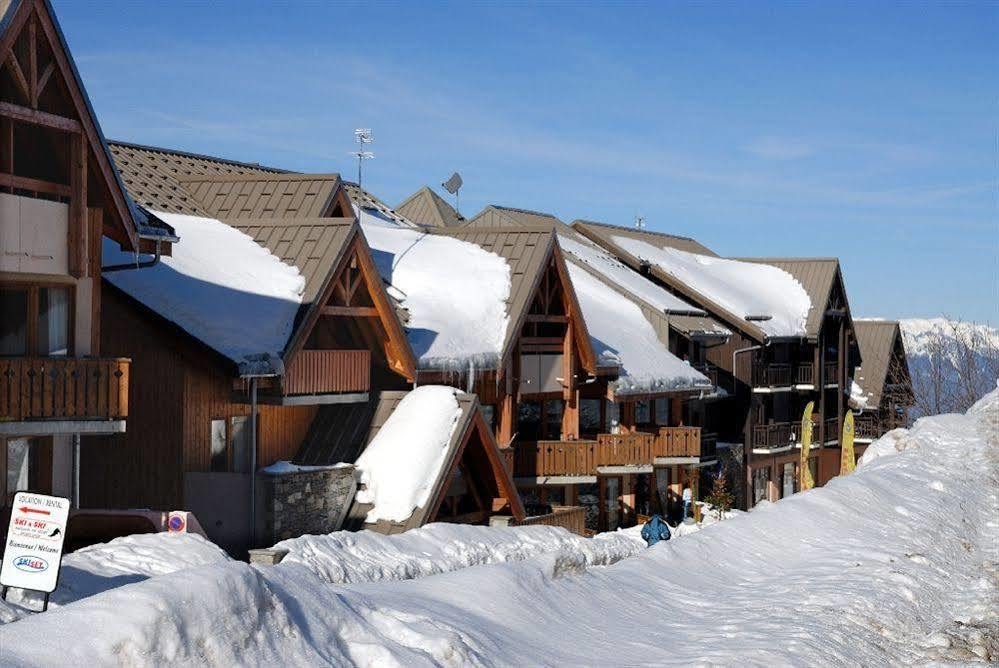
{"points": [[59, 195], [791, 343], [267, 321], [882, 394]]}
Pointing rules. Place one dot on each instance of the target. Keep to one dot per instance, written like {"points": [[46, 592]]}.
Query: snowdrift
{"points": [[895, 563]]}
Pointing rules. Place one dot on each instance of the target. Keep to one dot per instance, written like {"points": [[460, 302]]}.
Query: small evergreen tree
{"points": [[720, 498]]}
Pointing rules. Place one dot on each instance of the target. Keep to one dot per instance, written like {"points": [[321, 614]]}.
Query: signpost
{"points": [[32, 555]]}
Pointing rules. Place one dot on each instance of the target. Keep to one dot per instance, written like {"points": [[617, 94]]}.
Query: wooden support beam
{"points": [[356, 311], [535, 317], [33, 61], [77, 234], [34, 185], [43, 80], [18, 74], [36, 117]]}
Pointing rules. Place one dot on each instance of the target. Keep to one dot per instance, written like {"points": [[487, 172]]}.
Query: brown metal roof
{"points": [[879, 340], [153, 175], [816, 275], [263, 195], [388, 401], [425, 207], [658, 239], [527, 251], [313, 245], [506, 216], [365, 200]]}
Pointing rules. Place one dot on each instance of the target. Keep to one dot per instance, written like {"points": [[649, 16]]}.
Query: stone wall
{"points": [[305, 501]]}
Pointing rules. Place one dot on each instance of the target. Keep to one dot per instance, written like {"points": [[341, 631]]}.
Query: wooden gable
{"points": [[353, 311], [51, 145]]}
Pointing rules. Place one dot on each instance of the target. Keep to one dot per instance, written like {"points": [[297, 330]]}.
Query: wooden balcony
{"points": [[584, 457], [833, 430], [869, 426], [804, 374], [831, 369], [328, 372], [775, 435], [63, 388], [572, 518], [771, 374]]}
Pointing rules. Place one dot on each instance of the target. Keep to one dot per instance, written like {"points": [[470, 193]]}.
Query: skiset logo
{"points": [[30, 564]]}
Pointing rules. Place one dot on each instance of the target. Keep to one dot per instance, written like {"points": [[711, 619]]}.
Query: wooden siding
{"points": [[68, 388], [329, 371]]}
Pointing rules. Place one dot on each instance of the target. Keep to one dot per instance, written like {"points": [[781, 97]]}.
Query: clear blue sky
{"points": [[866, 131]]}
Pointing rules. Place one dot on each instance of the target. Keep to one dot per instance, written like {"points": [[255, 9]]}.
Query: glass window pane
{"points": [[489, 413], [662, 412], [529, 420], [613, 417], [589, 415], [643, 413], [220, 459], [553, 418], [242, 450], [53, 321], [13, 321]]}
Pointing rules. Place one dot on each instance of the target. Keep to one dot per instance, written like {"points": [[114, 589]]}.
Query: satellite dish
{"points": [[453, 183]]}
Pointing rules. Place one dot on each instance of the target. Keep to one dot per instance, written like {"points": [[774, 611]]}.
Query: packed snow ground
{"points": [[896, 563]]}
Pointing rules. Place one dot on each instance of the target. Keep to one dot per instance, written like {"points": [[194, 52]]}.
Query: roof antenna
{"points": [[639, 222], [363, 137], [453, 186]]}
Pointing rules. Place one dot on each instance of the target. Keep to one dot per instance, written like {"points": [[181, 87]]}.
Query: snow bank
{"points": [[367, 556], [98, 568], [621, 335], [400, 466], [893, 564], [220, 286], [455, 293], [747, 289]]}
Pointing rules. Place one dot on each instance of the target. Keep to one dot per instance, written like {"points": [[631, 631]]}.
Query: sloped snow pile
{"points": [[747, 289], [608, 266], [98, 568], [400, 466], [893, 564], [455, 293], [621, 335], [367, 556], [220, 286]]}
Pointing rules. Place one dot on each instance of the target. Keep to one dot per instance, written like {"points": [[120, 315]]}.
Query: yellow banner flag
{"points": [[847, 461], [805, 481]]}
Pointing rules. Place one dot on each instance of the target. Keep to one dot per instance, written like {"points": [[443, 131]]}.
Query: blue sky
{"points": [[865, 131]]}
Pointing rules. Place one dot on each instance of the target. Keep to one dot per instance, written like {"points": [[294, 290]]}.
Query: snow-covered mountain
{"points": [[966, 354]]}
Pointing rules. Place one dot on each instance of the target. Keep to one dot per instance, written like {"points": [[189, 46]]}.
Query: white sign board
{"points": [[33, 553]]}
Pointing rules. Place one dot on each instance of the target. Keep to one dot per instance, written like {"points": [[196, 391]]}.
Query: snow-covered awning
{"points": [[221, 287], [454, 292], [400, 467], [622, 336], [768, 297]]}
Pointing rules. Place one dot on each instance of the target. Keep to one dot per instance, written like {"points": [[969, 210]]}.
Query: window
{"points": [[613, 416], [220, 453], [28, 466], [529, 420], [589, 416], [789, 485], [662, 412], [35, 320], [53, 321], [761, 484], [489, 413], [13, 321], [553, 418], [643, 412]]}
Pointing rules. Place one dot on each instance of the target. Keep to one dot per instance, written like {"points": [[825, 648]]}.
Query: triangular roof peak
{"points": [[48, 92], [426, 207]]}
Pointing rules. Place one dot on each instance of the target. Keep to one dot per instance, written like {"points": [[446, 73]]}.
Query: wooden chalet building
{"points": [[792, 341], [267, 316], [883, 393], [59, 194]]}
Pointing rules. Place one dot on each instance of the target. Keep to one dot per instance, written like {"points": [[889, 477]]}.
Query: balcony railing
{"points": [[67, 388], [584, 457], [831, 371], [328, 372], [804, 374], [572, 518], [869, 427], [775, 435], [709, 370], [775, 374], [832, 430]]}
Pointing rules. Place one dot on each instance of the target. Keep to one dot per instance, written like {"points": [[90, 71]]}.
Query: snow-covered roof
{"points": [[621, 335], [400, 467], [768, 297], [455, 293], [627, 279], [221, 287]]}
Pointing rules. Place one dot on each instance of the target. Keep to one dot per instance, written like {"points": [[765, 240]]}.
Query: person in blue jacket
{"points": [[655, 530]]}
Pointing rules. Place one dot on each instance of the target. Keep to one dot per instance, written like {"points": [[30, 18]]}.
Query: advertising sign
{"points": [[33, 553]]}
